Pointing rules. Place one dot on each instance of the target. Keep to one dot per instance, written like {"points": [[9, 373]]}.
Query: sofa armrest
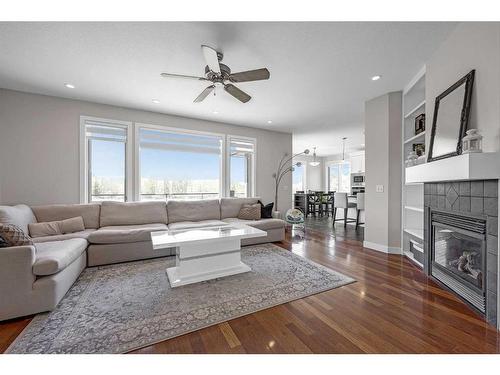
{"points": [[16, 268]]}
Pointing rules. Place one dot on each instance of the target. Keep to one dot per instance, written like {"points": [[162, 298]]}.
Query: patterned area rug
{"points": [[118, 308]]}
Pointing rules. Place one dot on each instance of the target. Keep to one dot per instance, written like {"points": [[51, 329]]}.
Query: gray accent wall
{"points": [[383, 167], [472, 45], [39, 146]]}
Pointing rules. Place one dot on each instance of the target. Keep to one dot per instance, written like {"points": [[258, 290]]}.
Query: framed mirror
{"points": [[451, 118]]}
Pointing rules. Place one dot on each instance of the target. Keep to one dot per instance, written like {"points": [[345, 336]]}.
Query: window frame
{"points": [[251, 175], [304, 175], [337, 163], [84, 155], [137, 157]]}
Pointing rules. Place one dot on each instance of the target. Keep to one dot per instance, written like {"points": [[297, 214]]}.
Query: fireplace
{"points": [[461, 240], [458, 255]]}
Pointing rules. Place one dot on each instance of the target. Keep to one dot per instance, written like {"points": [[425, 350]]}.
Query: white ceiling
{"points": [[320, 72]]}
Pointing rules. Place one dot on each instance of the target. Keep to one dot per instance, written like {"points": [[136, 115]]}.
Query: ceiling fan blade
{"points": [[204, 94], [169, 75], [250, 75], [237, 93], [211, 58]]}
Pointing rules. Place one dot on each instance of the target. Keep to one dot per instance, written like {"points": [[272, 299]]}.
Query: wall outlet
{"points": [[379, 188]]}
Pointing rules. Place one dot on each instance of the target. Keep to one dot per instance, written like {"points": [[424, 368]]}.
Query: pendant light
{"points": [[315, 162], [343, 148]]}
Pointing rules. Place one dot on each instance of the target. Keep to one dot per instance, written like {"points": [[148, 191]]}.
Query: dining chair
{"points": [[313, 204], [327, 203], [340, 201]]}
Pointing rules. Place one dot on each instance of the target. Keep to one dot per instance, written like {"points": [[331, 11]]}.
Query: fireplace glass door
{"points": [[459, 253]]}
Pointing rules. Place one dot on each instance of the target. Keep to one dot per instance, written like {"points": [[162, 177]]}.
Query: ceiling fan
{"points": [[220, 74]]}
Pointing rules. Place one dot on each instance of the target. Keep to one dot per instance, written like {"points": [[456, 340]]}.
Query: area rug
{"points": [[118, 308]]}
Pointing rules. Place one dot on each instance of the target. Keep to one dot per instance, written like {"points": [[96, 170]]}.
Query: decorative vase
{"points": [[411, 160], [472, 142]]}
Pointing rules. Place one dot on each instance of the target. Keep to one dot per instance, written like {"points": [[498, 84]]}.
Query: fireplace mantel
{"points": [[475, 166]]}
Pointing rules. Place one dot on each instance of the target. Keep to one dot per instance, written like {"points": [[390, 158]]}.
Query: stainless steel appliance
{"points": [[357, 183]]}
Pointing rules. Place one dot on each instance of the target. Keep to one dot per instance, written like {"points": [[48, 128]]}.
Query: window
{"points": [[241, 166], [298, 178], [339, 177], [104, 160], [178, 165]]}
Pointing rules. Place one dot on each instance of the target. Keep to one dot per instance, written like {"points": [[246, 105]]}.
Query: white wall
{"points": [[383, 167], [39, 147], [470, 46]]}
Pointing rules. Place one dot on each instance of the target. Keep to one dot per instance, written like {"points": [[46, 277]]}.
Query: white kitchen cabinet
{"points": [[358, 162]]}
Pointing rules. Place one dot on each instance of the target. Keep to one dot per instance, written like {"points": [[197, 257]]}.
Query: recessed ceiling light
{"points": [[269, 122], [215, 112], [69, 85], [156, 101], [376, 78]]}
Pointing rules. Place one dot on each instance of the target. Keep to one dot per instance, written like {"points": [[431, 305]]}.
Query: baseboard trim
{"points": [[382, 248]]}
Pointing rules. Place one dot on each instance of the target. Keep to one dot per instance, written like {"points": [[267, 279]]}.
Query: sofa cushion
{"points": [[55, 212], [13, 235], [263, 224], [133, 213], [61, 237], [196, 224], [197, 210], [230, 207], [53, 257], [125, 233], [53, 228], [20, 215]]}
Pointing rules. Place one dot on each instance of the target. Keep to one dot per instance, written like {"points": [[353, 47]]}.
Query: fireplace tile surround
{"points": [[479, 198]]}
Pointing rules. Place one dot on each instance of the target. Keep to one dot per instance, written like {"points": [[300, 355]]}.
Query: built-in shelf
{"points": [[415, 137], [414, 208], [415, 110], [418, 233], [410, 256]]}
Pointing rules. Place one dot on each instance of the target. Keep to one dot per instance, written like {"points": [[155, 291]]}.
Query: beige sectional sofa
{"points": [[35, 278]]}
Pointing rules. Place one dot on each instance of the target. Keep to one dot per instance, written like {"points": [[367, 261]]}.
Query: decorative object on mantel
{"points": [[421, 159], [411, 160], [419, 148], [315, 162], [451, 119], [283, 169], [472, 142], [420, 123]]}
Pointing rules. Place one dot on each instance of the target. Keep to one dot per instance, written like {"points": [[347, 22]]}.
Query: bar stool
{"points": [[340, 201], [360, 206]]}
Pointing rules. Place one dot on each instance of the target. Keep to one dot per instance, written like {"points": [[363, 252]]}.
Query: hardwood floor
{"points": [[392, 308]]}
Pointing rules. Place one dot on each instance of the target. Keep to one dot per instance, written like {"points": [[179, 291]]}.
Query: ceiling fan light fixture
{"points": [[220, 74]]}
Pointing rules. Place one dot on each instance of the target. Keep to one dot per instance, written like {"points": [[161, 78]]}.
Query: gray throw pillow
{"points": [[12, 235], [250, 211]]}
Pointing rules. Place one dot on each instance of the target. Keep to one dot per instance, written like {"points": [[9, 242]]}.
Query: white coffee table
{"points": [[205, 253]]}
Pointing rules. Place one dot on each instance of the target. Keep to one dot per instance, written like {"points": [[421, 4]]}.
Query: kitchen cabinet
{"points": [[358, 162]]}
